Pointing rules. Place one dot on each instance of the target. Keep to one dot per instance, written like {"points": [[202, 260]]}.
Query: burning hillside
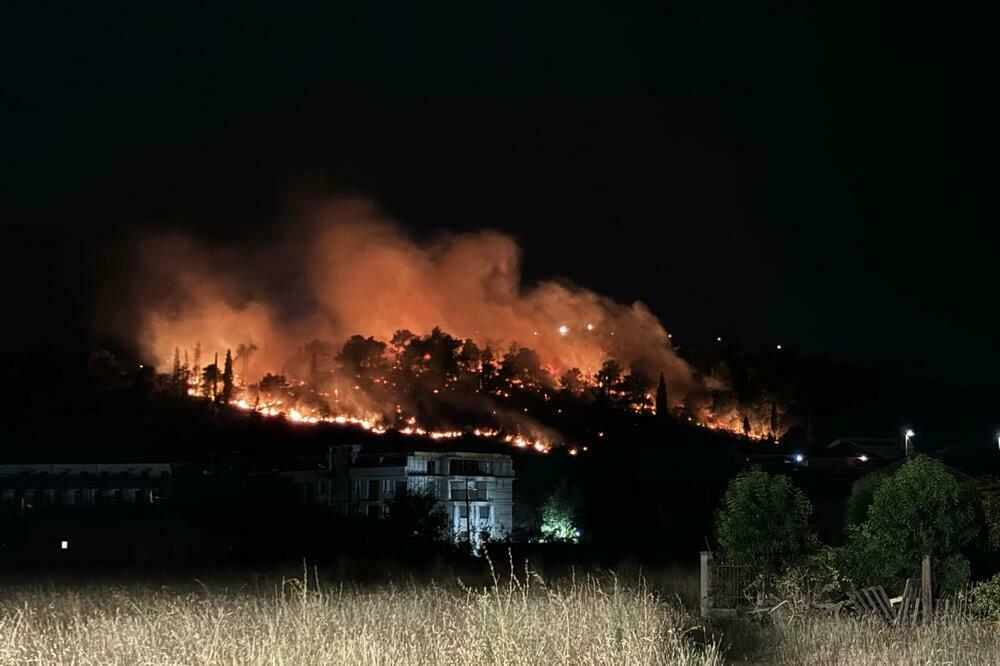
{"points": [[439, 335]]}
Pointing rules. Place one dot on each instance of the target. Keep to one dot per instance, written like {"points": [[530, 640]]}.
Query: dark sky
{"points": [[801, 173]]}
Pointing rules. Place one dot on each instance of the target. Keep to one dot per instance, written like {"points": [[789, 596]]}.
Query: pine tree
{"points": [[196, 368], [176, 374], [746, 425], [227, 378], [186, 371], [661, 398], [243, 353]]}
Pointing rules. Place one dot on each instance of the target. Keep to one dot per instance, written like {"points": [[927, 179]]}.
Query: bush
{"points": [[764, 521], [559, 515], [986, 598], [861, 497], [919, 510]]}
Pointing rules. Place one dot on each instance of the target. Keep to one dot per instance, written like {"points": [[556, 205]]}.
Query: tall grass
{"points": [[828, 640], [517, 620]]}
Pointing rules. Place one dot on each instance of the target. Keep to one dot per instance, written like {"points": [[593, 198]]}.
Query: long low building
{"points": [[31, 486]]}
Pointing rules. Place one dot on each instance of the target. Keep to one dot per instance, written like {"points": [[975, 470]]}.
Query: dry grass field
{"points": [[520, 621], [517, 620]]}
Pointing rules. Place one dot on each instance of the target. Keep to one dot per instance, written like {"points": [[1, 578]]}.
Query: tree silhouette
{"points": [[243, 354], [774, 418], [196, 368], [634, 388], [272, 385], [400, 339], [522, 366], [315, 349], [608, 378], [572, 381], [227, 378], [661, 398], [177, 374], [746, 425], [362, 356], [210, 380]]}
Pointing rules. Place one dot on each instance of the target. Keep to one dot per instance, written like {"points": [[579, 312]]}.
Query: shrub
{"points": [[986, 598], [764, 521], [861, 497], [559, 515]]}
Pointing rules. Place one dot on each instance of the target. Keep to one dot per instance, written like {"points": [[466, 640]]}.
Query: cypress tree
{"points": [[227, 378], [661, 398]]}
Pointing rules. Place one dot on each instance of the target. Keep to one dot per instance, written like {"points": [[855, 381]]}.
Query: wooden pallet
{"points": [[905, 610]]}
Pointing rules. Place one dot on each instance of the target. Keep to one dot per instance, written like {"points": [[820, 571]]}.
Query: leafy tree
{"points": [[271, 383], [469, 365], [764, 521], [921, 509], [227, 378], [362, 356], [210, 380], [522, 365], [861, 497], [634, 388], [572, 381], [609, 376], [400, 339], [489, 372], [559, 515], [417, 515], [428, 363]]}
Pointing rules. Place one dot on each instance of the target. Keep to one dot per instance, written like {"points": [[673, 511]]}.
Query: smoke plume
{"points": [[345, 269]]}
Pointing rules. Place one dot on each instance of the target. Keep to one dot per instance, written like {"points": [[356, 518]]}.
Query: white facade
{"points": [[475, 490]]}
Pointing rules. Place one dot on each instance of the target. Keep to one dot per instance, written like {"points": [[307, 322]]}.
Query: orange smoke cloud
{"points": [[348, 270]]}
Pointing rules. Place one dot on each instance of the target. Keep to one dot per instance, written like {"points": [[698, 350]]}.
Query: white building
{"points": [[474, 489]]}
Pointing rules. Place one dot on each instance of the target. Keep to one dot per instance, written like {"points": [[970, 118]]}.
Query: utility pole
{"points": [[468, 514]]}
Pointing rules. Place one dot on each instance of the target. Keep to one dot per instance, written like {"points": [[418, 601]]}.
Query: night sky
{"points": [[798, 174]]}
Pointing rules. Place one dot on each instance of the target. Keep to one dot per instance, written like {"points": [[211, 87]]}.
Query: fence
{"points": [[725, 586]]}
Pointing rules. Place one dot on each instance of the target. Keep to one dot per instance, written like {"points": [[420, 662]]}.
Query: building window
{"points": [[431, 467], [471, 467], [400, 487], [463, 512], [469, 490], [484, 512], [373, 488], [373, 510]]}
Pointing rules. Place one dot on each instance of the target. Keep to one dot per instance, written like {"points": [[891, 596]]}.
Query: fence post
{"points": [[706, 559], [926, 593]]}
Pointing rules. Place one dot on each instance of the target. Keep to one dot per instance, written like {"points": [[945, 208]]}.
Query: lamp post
{"points": [[907, 435]]}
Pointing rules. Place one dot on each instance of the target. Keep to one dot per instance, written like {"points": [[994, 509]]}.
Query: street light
{"points": [[907, 435]]}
